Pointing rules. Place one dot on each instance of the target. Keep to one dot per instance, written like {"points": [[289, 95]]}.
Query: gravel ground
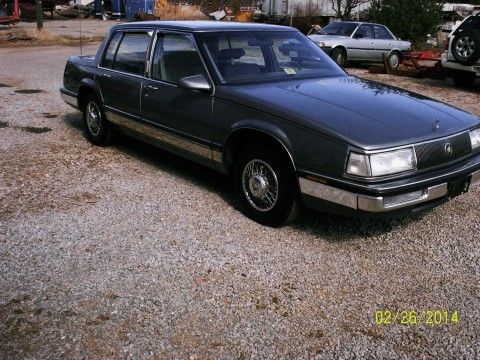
{"points": [[128, 251]]}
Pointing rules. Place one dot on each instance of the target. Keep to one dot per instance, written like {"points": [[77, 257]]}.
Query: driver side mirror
{"points": [[195, 82]]}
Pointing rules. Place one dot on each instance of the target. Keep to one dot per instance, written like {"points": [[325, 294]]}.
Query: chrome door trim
{"points": [[163, 137]]}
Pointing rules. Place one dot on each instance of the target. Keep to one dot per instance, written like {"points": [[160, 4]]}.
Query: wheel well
{"points": [[245, 137], [340, 47], [83, 91]]}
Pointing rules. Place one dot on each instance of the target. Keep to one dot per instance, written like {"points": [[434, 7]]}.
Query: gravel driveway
{"points": [[128, 251]]}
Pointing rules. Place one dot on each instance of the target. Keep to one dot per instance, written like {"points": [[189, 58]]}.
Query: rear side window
{"points": [[365, 32], [381, 33], [111, 50], [132, 53]]}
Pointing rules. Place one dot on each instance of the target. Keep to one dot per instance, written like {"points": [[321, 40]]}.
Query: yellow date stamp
{"points": [[429, 317]]}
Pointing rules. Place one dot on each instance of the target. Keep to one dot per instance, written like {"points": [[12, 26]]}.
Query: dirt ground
{"points": [[130, 252]]}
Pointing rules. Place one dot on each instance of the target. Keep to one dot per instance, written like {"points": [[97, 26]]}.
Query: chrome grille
{"points": [[434, 153]]}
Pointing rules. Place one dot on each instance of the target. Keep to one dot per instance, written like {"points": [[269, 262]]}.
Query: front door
{"points": [[182, 116]]}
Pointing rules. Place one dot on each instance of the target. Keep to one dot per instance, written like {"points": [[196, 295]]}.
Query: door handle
{"points": [[106, 76], [151, 87]]}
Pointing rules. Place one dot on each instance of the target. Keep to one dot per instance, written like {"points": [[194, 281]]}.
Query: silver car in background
{"points": [[347, 41]]}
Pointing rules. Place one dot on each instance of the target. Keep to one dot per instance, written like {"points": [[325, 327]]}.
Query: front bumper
{"points": [[386, 203]]}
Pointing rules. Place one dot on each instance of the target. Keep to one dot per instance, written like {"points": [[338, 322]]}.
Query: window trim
{"points": [[190, 35], [123, 32]]}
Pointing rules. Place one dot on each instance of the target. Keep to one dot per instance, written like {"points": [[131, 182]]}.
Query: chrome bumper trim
{"points": [[475, 177], [69, 99], [371, 203]]}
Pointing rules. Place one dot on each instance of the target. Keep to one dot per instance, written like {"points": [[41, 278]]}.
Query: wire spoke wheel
{"points": [[260, 185], [94, 118]]}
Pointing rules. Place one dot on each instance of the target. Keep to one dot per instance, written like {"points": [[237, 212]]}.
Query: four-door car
{"points": [[347, 41], [266, 105]]}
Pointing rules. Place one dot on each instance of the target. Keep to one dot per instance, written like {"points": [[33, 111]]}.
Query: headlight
{"points": [[322, 44], [379, 164], [475, 138]]}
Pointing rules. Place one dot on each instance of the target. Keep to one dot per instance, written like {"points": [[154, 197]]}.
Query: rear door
{"points": [[122, 70], [384, 41], [182, 117], [363, 43]]}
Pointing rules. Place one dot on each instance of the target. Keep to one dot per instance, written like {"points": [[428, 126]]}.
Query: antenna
{"points": [[80, 20]]}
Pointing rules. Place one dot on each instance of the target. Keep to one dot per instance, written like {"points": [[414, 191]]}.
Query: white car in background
{"points": [[347, 41], [462, 60]]}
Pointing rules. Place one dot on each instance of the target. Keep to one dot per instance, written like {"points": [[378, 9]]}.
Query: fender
{"points": [[91, 84], [265, 127]]}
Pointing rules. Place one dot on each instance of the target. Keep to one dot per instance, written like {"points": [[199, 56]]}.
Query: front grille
{"points": [[434, 153]]}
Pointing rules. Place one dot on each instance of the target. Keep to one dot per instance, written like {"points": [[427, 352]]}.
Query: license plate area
{"points": [[458, 187]]}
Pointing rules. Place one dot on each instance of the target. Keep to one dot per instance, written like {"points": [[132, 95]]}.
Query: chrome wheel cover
{"points": [[465, 47], [260, 185], [94, 118], [394, 61]]}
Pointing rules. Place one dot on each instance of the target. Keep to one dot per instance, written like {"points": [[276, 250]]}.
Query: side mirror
{"points": [[195, 82]]}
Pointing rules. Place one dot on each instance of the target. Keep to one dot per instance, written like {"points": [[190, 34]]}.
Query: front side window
{"points": [[175, 57], [381, 33], [261, 56], [132, 53]]}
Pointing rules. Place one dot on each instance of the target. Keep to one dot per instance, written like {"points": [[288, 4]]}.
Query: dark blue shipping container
{"points": [[133, 7]]}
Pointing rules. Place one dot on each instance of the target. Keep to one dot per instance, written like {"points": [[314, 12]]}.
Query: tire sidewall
{"points": [[286, 204], [338, 55], [476, 54], [394, 53], [103, 137]]}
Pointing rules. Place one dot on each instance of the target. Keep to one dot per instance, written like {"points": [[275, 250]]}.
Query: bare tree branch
{"points": [[343, 8]]}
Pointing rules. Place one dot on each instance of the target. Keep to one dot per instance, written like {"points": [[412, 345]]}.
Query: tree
{"points": [[408, 19], [343, 8]]}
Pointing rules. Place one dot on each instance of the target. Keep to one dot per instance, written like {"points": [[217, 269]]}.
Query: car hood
{"points": [[365, 114]]}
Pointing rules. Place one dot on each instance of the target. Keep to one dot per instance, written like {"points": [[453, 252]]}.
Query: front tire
{"points": [[97, 129], [340, 57], [266, 186]]}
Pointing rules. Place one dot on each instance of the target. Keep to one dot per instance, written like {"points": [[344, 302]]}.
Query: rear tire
{"points": [[97, 129], [466, 47], [394, 59], [266, 185], [464, 79], [340, 57]]}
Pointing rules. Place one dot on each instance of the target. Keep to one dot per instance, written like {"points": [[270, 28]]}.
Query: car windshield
{"points": [[338, 28], [262, 56]]}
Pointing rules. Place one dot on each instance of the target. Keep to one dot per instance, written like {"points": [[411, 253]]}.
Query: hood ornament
{"points": [[448, 149], [436, 125]]}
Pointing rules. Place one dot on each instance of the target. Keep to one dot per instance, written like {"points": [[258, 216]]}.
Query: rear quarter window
{"points": [[107, 60]]}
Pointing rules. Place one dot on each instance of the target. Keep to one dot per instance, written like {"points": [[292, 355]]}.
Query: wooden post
{"points": [[39, 9]]}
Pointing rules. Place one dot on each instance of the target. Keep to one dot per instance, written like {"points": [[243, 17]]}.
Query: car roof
{"points": [[356, 23], [204, 26]]}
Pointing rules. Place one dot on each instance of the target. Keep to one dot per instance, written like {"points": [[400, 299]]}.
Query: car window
{"points": [[338, 28], [132, 53], [111, 50], [381, 33], [175, 57], [364, 32], [262, 56]]}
